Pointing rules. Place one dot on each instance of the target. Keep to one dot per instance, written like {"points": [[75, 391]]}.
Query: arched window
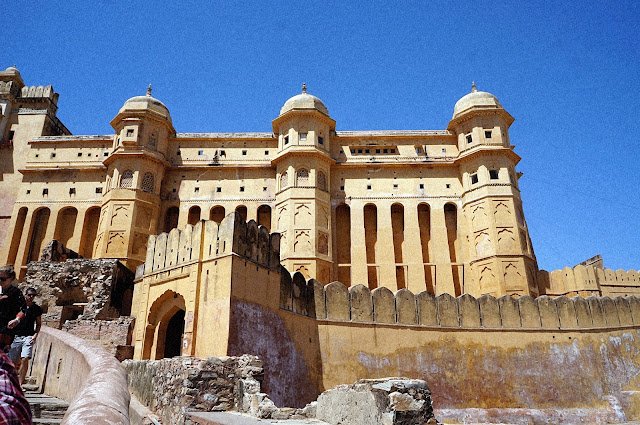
{"points": [[322, 181], [126, 181], [302, 177], [148, 182], [284, 180]]}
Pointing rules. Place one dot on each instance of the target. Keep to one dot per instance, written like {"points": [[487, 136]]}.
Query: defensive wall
{"points": [[89, 378], [550, 353], [589, 280]]}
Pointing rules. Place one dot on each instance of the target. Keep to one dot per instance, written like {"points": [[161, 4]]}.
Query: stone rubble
{"points": [[387, 401]]}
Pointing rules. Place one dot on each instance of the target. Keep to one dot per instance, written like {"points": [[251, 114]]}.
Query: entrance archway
{"points": [[165, 327], [173, 335]]}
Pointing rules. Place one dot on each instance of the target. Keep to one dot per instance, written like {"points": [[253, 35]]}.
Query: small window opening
{"points": [[196, 190], [98, 190], [79, 154], [266, 152], [353, 151], [53, 154], [223, 153], [218, 189], [359, 150], [178, 152], [368, 187], [28, 191], [200, 152], [244, 152], [72, 191], [286, 140], [45, 192], [342, 188], [303, 137], [444, 150], [421, 186], [395, 186], [392, 150], [11, 133], [493, 174], [366, 151], [264, 188], [37, 155], [241, 188], [487, 134], [105, 153], [474, 178], [385, 151], [469, 139], [129, 132], [321, 140], [377, 150], [448, 186]]}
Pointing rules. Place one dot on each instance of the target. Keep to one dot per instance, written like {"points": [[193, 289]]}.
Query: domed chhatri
{"points": [[12, 69], [147, 102], [304, 100], [476, 99]]}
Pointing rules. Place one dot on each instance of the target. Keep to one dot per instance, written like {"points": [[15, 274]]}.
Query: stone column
{"points": [[23, 249], [74, 243]]}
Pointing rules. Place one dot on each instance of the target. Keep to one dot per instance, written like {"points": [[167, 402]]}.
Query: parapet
{"points": [[207, 240], [39, 92], [589, 280], [358, 303]]}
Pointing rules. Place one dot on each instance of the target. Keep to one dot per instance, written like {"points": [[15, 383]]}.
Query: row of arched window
{"points": [[216, 213], [302, 179], [147, 183]]}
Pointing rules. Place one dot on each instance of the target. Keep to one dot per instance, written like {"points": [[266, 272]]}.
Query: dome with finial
{"points": [[304, 101], [12, 69], [476, 99], [147, 102]]}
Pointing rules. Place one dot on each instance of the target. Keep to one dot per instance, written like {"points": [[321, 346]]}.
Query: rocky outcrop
{"points": [[388, 401]]}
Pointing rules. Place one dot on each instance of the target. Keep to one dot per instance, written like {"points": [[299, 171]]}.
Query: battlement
{"points": [[359, 304], [9, 87], [589, 280], [39, 92], [207, 240]]}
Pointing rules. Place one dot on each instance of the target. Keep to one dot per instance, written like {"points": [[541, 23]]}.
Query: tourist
{"points": [[25, 332], [11, 301], [14, 407]]}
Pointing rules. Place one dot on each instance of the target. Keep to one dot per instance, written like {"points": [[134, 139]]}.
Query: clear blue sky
{"points": [[569, 72]]}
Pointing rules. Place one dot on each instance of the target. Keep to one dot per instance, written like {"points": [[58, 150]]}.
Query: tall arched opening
{"points": [[165, 327], [39, 223], [343, 243], [371, 240], [171, 219], [451, 220], [17, 235], [397, 227], [264, 216], [242, 210], [65, 225], [216, 214], [89, 232], [194, 215]]}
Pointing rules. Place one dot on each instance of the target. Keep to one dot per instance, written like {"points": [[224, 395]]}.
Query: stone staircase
{"points": [[45, 409]]}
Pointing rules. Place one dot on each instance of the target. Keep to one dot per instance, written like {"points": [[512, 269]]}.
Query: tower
{"points": [[303, 204], [493, 233], [131, 204]]}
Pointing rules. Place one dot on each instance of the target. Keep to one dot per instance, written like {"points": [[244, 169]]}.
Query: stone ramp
{"points": [[46, 409]]}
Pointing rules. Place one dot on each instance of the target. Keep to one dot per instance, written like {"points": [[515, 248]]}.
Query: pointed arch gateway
{"points": [[165, 327]]}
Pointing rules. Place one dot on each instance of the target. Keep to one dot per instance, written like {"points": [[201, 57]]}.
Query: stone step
{"points": [[46, 409], [46, 421]]}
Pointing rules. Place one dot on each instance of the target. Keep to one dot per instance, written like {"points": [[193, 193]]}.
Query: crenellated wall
{"points": [[589, 280], [357, 303]]}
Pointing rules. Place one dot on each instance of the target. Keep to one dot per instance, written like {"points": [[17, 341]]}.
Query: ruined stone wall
{"points": [[112, 335], [589, 280], [172, 387], [95, 288]]}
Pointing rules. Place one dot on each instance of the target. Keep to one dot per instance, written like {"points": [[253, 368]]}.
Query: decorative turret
{"points": [[497, 244], [135, 168], [303, 165]]}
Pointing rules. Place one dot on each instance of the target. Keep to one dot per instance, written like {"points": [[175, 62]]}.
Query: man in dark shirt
{"points": [[25, 328], [11, 301]]}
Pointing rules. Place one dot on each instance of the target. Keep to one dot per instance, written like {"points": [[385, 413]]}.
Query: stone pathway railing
{"points": [[90, 379]]}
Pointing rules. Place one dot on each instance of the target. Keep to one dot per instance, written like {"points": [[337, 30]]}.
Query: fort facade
{"points": [[436, 210]]}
